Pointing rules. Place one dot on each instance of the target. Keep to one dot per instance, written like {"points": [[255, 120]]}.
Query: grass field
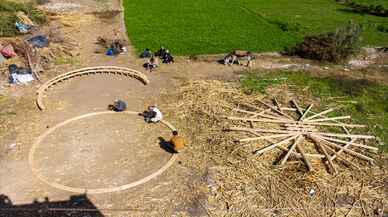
{"points": [[206, 27], [364, 101]]}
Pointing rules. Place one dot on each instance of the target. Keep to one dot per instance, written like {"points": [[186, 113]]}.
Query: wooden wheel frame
{"points": [[292, 129], [94, 190], [114, 70]]}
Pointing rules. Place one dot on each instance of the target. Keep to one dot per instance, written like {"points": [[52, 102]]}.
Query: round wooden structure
{"points": [[96, 190], [114, 70]]}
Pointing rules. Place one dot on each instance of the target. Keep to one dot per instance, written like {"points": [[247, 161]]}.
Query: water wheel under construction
{"points": [[297, 131]]}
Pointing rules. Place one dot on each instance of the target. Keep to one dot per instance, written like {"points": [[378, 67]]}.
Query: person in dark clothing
{"points": [[146, 53], [167, 57], [161, 52], [118, 106]]}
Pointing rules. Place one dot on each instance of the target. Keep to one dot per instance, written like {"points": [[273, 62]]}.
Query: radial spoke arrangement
{"points": [[292, 126]]}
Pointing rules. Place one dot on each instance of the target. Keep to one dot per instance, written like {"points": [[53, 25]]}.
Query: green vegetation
{"points": [[334, 47], [366, 102], [8, 17], [202, 26]]}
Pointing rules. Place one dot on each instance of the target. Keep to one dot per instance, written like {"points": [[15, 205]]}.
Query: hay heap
{"points": [[243, 184]]}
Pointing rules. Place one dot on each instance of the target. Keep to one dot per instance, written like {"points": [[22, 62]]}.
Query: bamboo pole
{"points": [[328, 119], [276, 110], [304, 157], [351, 143], [306, 112], [277, 104], [297, 141], [260, 151], [258, 130], [283, 121], [328, 158], [351, 152], [297, 107], [319, 114], [320, 156], [343, 159], [342, 149], [264, 137], [345, 135]]}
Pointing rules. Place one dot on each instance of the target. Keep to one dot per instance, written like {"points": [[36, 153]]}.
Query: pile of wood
{"points": [[292, 126]]}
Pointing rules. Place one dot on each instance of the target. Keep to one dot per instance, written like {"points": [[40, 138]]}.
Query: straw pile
{"points": [[243, 184]]}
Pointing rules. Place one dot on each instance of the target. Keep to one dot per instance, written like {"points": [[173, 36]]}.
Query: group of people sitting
{"points": [[153, 115], [153, 62]]}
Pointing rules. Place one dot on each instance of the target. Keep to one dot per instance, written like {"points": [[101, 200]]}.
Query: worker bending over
{"points": [[152, 115], [177, 142]]}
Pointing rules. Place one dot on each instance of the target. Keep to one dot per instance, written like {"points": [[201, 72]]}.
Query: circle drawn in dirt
{"points": [[94, 190]]}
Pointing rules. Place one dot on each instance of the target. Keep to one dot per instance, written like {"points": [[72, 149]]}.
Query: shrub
{"points": [[332, 47], [382, 28], [377, 10]]}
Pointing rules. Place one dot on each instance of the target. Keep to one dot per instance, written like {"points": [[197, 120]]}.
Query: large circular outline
{"points": [[95, 190]]}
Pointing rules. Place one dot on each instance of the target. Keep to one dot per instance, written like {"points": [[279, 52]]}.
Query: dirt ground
{"points": [[108, 151]]}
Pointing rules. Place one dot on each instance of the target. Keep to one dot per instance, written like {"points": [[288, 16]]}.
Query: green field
{"points": [[218, 26]]}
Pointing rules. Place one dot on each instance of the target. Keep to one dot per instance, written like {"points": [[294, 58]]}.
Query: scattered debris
{"points": [[19, 75], [61, 6], [55, 34], [11, 146], [112, 47], [8, 51], [39, 41], [359, 63]]}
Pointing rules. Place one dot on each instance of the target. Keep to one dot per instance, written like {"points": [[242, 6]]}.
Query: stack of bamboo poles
{"points": [[293, 130]]}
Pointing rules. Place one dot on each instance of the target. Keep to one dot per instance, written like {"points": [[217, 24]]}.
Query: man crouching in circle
{"points": [[152, 115]]}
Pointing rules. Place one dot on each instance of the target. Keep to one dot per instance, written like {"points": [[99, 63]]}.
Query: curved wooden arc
{"points": [[94, 190], [86, 71]]}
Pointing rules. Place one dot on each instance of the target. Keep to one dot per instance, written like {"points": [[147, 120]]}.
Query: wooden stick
{"points": [[275, 144], [351, 152], [297, 107], [345, 135], [285, 149], [306, 112], [328, 119], [276, 110], [306, 161], [351, 143], [319, 114], [344, 160], [298, 140], [277, 104], [283, 121], [264, 137], [29, 51], [342, 149], [259, 130], [328, 158]]}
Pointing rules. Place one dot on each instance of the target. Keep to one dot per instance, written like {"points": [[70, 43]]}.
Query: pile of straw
{"points": [[243, 184]]}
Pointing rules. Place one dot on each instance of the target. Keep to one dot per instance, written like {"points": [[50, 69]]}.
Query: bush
{"points": [[332, 47], [8, 17], [377, 10], [382, 28]]}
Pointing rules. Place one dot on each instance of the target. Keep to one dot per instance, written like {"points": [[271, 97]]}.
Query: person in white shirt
{"points": [[152, 115]]}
